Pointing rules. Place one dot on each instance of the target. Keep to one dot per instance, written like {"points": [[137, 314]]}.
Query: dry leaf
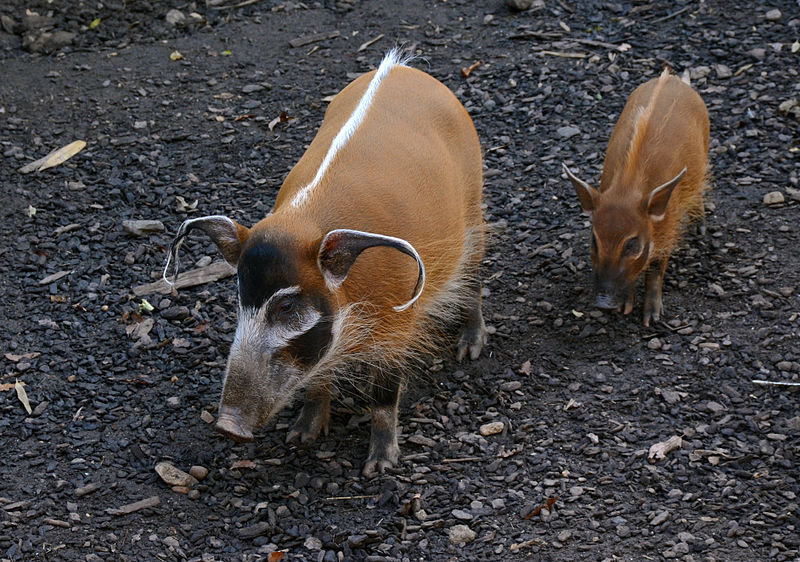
{"points": [[62, 154], [282, 118], [659, 451], [465, 72], [23, 396], [6, 386], [95, 23], [175, 55], [547, 505], [526, 368], [275, 555], [243, 464]]}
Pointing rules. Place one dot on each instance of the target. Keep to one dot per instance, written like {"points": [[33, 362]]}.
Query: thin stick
{"points": [[774, 383], [463, 459], [564, 55], [345, 498], [234, 6], [670, 16]]}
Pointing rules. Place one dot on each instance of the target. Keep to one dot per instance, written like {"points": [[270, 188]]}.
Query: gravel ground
{"points": [[577, 397]]}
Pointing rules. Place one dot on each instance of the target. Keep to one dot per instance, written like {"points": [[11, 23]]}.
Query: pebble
{"points": [[461, 514], [521, 5], [773, 15], [773, 198], [175, 17], [207, 416], [567, 132], [313, 543], [173, 401], [659, 518], [492, 428], [199, 472], [461, 534]]}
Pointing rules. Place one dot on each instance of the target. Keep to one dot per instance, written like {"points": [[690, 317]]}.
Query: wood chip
{"points": [[214, 272], [659, 451], [134, 507], [54, 277], [88, 489]]}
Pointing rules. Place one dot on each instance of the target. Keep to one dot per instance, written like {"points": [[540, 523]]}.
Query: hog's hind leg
{"points": [[383, 448], [473, 331], [314, 417]]}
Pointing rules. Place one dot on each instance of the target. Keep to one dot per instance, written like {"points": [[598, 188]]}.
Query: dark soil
{"points": [[582, 395]]}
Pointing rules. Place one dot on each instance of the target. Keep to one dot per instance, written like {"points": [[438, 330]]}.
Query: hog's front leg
{"points": [[383, 448], [473, 331], [314, 417], [653, 281]]}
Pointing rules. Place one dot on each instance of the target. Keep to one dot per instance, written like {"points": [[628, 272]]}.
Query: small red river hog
{"points": [[374, 242], [652, 185]]}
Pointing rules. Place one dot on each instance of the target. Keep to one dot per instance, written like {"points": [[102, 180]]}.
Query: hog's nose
{"points": [[605, 301], [231, 424]]}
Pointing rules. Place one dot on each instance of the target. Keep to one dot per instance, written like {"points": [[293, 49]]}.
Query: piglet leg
{"points": [[473, 331], [314, 416], [383, 448], [653, 280]]}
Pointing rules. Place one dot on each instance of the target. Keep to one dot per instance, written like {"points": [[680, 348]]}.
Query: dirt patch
{"points": [[581, 396]]}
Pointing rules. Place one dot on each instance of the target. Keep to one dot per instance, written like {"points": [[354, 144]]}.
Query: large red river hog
{"points": [[374, 242]]}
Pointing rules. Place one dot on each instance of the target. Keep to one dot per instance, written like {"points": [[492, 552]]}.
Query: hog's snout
{"points": [[605, 301], [231, 425]]}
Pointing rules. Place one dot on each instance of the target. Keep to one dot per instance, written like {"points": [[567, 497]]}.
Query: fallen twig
{"points": [[346, 498], [564, 55], [234, 6], [133, 507], [308, 39], [774, 383], [462, 459], [364, 46], [672, 15]]}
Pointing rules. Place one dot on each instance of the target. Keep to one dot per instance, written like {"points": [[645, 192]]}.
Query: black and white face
{"points": [[282, 332]]}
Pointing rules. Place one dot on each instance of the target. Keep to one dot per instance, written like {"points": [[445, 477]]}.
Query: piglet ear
{"points": [[340, 248], [226, 233], [586, 193], [659, 197]]}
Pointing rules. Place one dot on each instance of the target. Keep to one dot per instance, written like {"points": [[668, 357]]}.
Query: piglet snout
{"points": [[231, 424]]}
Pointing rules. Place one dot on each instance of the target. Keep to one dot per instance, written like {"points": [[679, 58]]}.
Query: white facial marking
{"points": [[391, 60], [254, 333]]}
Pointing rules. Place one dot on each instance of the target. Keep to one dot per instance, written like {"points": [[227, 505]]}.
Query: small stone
{"points": [[461, 534], [654, 343], [659, 518], [567, 132], [564, 536], [715, 407], [623, 531], [313, 543], [173, 401], [282, 511], [575, 492], [250, 88], [521, 5], [140, 124], [723, 71], [773, 15], [492, 428], [207, 416], [498, 503], [175, 313], [175, 17], [773, 198], [174, 476], [193, 494], [199, 472], [461, 514], [171, 541]]}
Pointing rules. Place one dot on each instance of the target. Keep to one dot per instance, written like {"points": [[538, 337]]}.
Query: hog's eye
{"points": [[285, 308], [632, 247]]}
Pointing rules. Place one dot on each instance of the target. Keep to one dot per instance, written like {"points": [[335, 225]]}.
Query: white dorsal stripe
{"points": [[392, 59]]}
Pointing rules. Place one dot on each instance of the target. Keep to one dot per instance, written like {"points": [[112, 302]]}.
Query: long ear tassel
{"points": [[172, 253]]}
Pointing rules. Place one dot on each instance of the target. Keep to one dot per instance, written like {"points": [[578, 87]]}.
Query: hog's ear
{"points": [[586, 193], [226, 233], [340, 248], [659, 198]]}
